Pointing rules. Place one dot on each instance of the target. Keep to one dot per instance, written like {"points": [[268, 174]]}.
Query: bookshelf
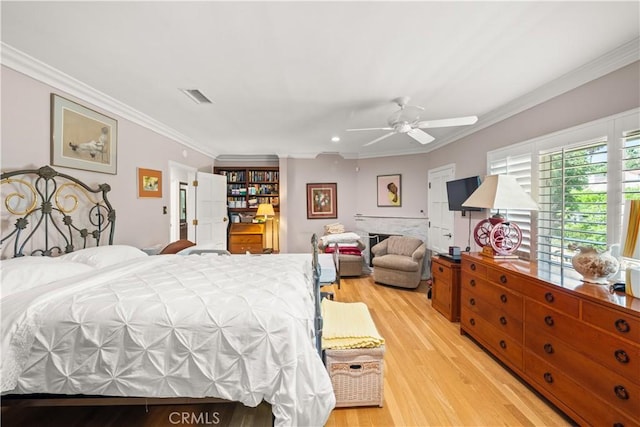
{"points": [[247, 187]]}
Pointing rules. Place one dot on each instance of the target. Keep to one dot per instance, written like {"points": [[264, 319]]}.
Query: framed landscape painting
{"points": [[322, 200], [82, 138]]}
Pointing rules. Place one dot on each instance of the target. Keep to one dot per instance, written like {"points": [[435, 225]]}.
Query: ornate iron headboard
{"points": [[49, 213]]}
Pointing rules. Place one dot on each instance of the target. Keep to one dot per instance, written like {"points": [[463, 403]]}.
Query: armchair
{"points": [[398, 260]]}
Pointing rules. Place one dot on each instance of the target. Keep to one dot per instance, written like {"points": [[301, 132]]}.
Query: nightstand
{"points": [[445, 297]]}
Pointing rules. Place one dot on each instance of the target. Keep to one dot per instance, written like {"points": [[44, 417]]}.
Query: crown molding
{"points": [[21, 62], [620, 57], [605, 64]]}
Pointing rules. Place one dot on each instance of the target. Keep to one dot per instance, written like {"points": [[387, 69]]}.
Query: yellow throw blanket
{"points": [[348, 325]]}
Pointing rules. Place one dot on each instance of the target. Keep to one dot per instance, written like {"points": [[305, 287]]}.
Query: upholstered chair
{"points": [[398, 260]]}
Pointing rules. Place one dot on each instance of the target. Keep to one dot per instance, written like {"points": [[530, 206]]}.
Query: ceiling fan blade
{"points": [[421, 136], [457, 121], [387, 128], [379, 139]]}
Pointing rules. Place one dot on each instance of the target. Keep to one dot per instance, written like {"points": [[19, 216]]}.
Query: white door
{"points": [[440, 217], [211, 210]]}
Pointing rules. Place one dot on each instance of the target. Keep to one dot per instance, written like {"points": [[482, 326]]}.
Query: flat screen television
{"points": [[459, 190]]}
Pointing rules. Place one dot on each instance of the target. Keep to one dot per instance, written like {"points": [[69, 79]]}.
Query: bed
{"points": [[97, 319]]}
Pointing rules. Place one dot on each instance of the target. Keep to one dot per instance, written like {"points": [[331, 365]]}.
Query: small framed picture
{"points": [[82, 138], [149, 183], [322, 200], [389, 190]]}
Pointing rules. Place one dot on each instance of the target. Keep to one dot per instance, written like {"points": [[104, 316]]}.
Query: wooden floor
{"points": [[433, 377]]}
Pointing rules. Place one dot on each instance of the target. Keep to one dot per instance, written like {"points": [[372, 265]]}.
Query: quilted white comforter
{"points": [[234, 327]]}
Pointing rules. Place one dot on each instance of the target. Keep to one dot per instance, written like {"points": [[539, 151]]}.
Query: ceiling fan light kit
{"points": [[407, 121]]}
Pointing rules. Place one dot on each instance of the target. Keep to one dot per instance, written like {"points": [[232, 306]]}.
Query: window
{"points": [[580, 178], [572, 195]]}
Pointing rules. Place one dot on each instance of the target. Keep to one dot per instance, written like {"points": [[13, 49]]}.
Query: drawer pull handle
{"points": [[472, 282], [503, 279], [622, 326], [503, 344], [548, 297], [548, 377], [618, 425], [472, 301], [472, 321], [355, 366], [621, 356], [621, 392], [503, 320], [548, 348], [472, 267], [503, 298], [441, 270], [548, 320]]}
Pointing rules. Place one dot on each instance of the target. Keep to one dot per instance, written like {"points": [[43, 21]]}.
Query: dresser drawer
{"points": [[584, 404], [502, 321], [498, 342], [474, 268], [616, 389], [554, 298], [246, 238], [505, 278], [241, 248], [613, 321], [618, 355], [501, 298]]}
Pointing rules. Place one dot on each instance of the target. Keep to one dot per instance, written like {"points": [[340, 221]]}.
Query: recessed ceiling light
{"points": [[197, 96], [335, 139]]}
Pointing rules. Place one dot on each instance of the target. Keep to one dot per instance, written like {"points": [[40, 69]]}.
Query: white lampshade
{"points": [[265, 209], [500, 192]]}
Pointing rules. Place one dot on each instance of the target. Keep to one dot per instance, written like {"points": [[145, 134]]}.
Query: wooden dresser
{"points": [[245, 237], [445, 296], [577, 344]]}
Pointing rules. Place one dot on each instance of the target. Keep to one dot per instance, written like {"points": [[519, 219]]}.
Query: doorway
{"points": [[441, 219], [182, 197]]}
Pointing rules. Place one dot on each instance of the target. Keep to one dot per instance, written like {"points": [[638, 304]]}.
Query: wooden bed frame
{"points": [[49, 213]]}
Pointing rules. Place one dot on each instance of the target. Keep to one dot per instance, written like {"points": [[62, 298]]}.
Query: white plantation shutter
{"points": [[572, 195]]}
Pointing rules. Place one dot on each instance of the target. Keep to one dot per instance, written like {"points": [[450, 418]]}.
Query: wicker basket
{"points": [[357, 376]]}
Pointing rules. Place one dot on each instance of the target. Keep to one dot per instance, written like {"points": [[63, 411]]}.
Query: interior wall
{"points": [[326, 168], [611, 94], [25, 143]]}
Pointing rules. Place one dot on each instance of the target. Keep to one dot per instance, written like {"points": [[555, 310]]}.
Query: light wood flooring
{"points": [[433, 377]]}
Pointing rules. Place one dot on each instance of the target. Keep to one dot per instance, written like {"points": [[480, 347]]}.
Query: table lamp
{"points": [[497, 237], [266, 210]]}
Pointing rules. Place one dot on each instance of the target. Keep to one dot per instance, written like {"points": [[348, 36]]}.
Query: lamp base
{"points": [[488, 252]]}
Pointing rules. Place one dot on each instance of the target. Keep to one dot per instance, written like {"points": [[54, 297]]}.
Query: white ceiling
{"points": [[285, 77]]}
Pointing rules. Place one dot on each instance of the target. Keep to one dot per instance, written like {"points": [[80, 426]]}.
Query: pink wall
{"points": [[25, 143]]}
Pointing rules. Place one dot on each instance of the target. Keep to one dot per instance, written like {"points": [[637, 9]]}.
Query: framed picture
{"points": [[149, 183], [322, 200], [389, 190], [82, 138]]}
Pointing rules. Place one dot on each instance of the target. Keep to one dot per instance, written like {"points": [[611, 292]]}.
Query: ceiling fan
{"points": [[407, 120]]}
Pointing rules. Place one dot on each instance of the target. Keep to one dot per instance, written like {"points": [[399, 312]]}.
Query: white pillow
{"points": [[340, 238], [104, 256], [23, 273]]}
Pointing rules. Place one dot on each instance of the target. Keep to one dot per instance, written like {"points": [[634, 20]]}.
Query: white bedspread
{"points": [[234, 327]]}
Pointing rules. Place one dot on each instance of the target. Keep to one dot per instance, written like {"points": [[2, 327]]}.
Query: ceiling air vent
{"points": [[197, 96]]}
